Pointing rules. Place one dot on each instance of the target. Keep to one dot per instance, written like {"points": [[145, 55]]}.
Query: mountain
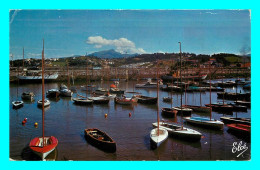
{"points": [[110, 54]]}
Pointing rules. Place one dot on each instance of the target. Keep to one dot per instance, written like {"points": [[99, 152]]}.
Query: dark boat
{"points": [[169, 112], [146, 99], [100, 100], [167, 99], [100, 139], [218, 107], [232, 120], [82, 101], [53, 93], [183, 110], [243, 103], [245, 129], [116, 91], [198, 108], [238, 108]]}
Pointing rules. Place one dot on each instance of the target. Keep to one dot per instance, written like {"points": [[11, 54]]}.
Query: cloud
{"points": [[121, 45]]}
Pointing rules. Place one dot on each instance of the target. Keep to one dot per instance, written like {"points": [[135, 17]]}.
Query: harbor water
{"points": [[67, 121]]}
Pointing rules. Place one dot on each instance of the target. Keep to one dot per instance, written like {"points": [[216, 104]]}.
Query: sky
{"points": [[79, 32]]}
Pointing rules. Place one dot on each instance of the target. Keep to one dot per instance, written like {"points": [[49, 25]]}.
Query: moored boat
{"points": [[46, 103], [215, 124], [157, 137], [219, 107], [167, 99], [183, 110], [82, 101], [198, 108], [17, 104], [27, 95], [53, 93], [149, 84], [66, 93], [125, 100], [241, 128], [146, 100], [100, 139], [232, 120], [179, 131], [243, 103], [99, 100], [169, 112]]}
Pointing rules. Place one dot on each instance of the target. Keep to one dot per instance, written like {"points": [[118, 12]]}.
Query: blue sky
{"points": [[77, 32]]}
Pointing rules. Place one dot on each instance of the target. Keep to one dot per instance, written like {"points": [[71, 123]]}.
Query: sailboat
{"points": [[158, 135], [208, 122], [43, 145], [180, 131]]}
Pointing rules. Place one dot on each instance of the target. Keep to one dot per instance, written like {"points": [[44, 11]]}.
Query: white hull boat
{"points": [[157, 139], [215, 124], [17, 104], [66, 93], [46, 103]]}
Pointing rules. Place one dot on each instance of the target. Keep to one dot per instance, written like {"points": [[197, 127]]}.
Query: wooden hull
{"points": [[36, 145], [198, 108], [232, 120], [169, 112], [124, 101], [100, 139], [146, 100], [179, 132], [183, 111], [155, 139], [214, 124]]}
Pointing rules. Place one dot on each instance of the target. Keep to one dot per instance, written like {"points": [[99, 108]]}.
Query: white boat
{"points": [[27, 96], [178, 131], [17, 104], [33, 76], [149, 84], [101, 91], [82, 101], [207, 122], [53, 93], [184, 110], [66, 93], [46, 103], [156, 138]]}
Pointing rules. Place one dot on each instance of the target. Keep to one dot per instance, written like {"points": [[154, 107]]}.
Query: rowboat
{"points": [[232, 120], [82, 101], [125, 100], [241, 128], [182, 110], [100, 139], [156, 138], [27, 96], [46, 103], [169, 112], [179, 131], [17, 104], [43, 145], [146, 99], [215, 124]]}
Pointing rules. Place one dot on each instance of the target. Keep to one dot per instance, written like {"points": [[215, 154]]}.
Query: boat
{"points": [[183, 110], [220, 107], [66, 93], [101, 91], [157, 135], [82, 101], [169, 112], [238, 108], [232, 120], [99, 100], [198, 108], [17, 104], [27, 96], [43, 145], [125, 100], [217, 89], [171, 88], [33, 76], [100, 139], [167, 99], [247, 86], [149, 84], [46, 103], [146, 100], [241, 128], [207, 122], [116, 91], [53, 93], [243, 103], [174, 77], [179, 131], [89, 87]]}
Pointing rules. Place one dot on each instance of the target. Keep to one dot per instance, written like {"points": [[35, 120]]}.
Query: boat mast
{"points": [[43, 94], [86, 77], [210, 90], [23, 59], [158, 121], [181, 87]]}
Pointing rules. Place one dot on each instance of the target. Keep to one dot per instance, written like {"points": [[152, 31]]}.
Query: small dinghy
{"points": [[66, 93], [184, 110], [169, 112], [146, 99], [17, 104], [53, 93], [27, 96], [125, 100], [100, 139], [99, 100], [46, 103]]}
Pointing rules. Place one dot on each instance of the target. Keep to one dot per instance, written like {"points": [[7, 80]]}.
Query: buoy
{"points": [[23, 122], [106, 115], [130, 114], [25, 119], [35, 124]]}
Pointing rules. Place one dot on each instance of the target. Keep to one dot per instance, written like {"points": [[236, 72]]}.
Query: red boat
{"points": [[239, 127]]}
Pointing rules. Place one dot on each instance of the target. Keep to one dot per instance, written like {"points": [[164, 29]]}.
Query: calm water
{"points": [[67, 122]]}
